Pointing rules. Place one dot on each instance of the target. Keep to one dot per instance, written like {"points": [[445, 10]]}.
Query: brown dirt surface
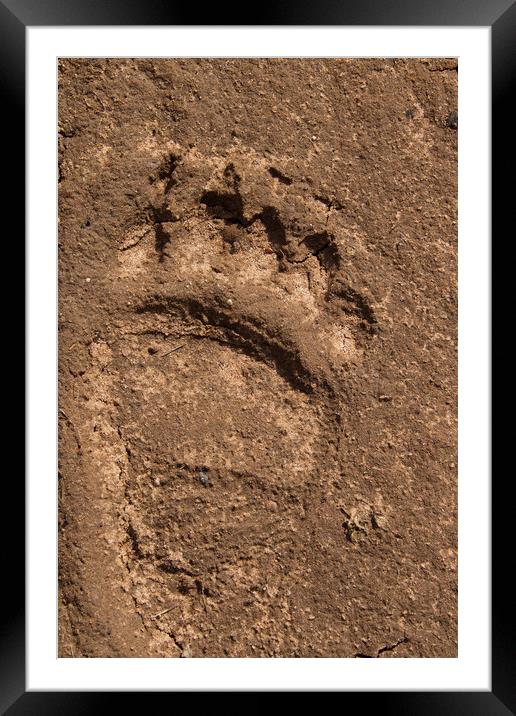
{"points": [[257, 358]]}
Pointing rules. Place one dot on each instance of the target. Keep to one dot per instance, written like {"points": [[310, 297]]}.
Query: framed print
{"points": [[258, 357]]}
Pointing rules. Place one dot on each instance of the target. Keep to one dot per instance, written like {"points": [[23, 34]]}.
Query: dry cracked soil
{"points": [[257, 358]]}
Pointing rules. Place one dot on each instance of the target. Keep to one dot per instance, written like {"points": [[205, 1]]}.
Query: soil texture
{"points": [[257, 358]]}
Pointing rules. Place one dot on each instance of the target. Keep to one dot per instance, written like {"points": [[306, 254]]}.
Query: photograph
{"points": [[259, 292], [257, 332]]}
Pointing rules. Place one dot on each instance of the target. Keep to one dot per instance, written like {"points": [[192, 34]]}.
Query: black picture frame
{"points": [[15, 17]]}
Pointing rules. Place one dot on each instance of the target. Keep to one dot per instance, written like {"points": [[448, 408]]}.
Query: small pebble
{"points": [[229, 302], [204, 479], [88, 280], [453, 120]]}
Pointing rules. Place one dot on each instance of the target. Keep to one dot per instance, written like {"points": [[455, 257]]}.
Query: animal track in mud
{"points": [[228, 367], [228, 429]]}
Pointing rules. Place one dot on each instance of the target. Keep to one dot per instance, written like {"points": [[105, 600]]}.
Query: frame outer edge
{"points": [[503, 40], [12, 661], [12, 617]]}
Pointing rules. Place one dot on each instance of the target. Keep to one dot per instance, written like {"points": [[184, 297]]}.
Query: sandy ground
{"points": [[257, 358]]}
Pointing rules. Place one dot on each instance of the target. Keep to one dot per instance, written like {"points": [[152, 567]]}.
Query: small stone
{"points": [[204, 479], [229, 302], [88, 279], [453, 120], [157, 481]]}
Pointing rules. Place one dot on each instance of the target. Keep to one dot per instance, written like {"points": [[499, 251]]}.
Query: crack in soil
{"points": [[387, 647]]}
